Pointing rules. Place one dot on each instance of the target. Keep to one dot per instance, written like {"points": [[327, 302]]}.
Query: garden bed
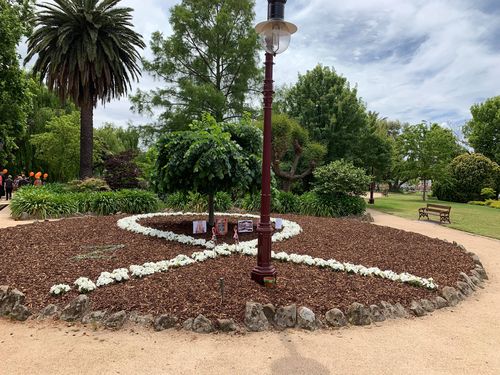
{"points": [[35, 257]]}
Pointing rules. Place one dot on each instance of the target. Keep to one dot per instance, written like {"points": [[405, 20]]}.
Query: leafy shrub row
{"points": [[196, 202], [46, 202], [488, 202]]}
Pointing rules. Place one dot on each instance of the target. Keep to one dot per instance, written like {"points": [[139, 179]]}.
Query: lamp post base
{"points": [[260, 273], [371, 201]]}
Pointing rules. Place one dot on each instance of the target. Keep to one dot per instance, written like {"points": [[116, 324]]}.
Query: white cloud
{"points": [[412, 61]]}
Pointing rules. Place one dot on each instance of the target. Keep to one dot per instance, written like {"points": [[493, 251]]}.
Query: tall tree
{"points": [[87, 51], [207, 65], [324, 103], [483, 131], [427, 151], [14, 94]]}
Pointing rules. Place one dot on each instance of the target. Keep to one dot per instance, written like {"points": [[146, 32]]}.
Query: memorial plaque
{"points": [[245, 226], [199, 227], [221, 227]]}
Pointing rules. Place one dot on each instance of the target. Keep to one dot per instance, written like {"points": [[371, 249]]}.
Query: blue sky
{"points": [[411, 60]]}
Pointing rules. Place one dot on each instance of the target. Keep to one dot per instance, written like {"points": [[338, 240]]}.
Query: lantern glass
{"points": [[275, 37]]}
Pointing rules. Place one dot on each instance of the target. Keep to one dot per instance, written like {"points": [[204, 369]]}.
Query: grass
{"points": [[469, 218]]}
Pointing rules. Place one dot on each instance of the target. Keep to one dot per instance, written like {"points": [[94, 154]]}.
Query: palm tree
{"points": [[86, 51]]}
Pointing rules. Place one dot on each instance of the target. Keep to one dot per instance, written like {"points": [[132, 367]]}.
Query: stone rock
{"points": [[116, 320], [460, 295], [427, 305], [464, 288], [450, 295], [20, 312], [202, 325], [400, 311], [76, 309], [417, 309], [9, 298], [188, 324], [359, 315], [48, 311], [4, 290], [24, 216], [388, 310], [477, 275], [480, 270], [440, 302], [164, 321], [376, 313], [477, 282], [286, 316], [143, 320], [226, 325], [306, 319], [476, 259], [335, 318], [269, 311], [255, 319], [466, 279], [94, 317]]}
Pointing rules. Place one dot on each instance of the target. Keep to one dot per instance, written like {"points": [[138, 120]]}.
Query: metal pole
{"points": [[264, 267]]}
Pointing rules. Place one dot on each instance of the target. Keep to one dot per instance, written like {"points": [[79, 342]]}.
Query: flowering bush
{"points": [[85, 285], [59, 289]]}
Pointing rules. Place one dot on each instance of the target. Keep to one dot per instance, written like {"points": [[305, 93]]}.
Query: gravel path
{"points": [[462, 340]]}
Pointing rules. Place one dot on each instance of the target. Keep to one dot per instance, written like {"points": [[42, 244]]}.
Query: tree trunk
{"points": [[86, 140], [372, 188], [425, 189], [211, 210], [286, 185]]}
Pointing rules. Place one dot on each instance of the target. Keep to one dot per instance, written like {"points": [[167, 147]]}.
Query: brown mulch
{"points": [[34, 257]]}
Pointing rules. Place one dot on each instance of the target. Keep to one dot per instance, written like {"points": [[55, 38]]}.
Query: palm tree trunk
{"points": [[86, 140]]}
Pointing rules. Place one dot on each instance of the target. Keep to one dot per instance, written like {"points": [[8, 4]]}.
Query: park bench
{"points": [[435, 209]]}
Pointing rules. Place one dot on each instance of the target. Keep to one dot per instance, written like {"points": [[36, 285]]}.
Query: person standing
{"points": [[1, 186], [9, 186]]}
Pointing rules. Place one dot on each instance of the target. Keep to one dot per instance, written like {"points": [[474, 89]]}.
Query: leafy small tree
{"points": [[209, 157], [208, 64], [121, 171], [87, 51], [340, 177], [294, 155], [483, 131]]}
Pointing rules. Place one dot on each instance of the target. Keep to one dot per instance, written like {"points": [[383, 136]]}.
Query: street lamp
{"points": [[275, 37]]}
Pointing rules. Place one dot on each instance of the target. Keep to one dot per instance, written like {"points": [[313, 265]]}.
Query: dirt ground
{"points": [[460, 340]]}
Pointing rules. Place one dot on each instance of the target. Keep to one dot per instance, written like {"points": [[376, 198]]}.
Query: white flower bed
{"points": [[290, 229], [59, 289]]}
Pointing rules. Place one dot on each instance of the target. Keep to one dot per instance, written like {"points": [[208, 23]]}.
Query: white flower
{"points": [[59, 289], [84, 284]]}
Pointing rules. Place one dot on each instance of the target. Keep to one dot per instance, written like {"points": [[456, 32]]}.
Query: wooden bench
{"points": [[435, 209]]}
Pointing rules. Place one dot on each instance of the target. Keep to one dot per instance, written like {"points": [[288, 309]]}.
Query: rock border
{"points": [[258, 317]]}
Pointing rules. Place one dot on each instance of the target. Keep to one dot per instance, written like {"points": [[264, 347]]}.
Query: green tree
{"points": [[427, 151], [483, 131], [340, 178], [207, 64], [294, 155], [87, 51], [14, 94], [323, 102], [209, 157]]}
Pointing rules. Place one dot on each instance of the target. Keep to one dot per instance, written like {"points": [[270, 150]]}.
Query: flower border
{"points": [[212, 251]]}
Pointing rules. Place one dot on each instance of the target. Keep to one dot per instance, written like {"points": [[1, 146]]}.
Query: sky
{"points": [[411, 60]]}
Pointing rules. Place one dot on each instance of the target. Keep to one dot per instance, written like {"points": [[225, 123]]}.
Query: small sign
{"points": [[278, 223], [269, 281], [199, 226], [221, 227], [245, 226]]}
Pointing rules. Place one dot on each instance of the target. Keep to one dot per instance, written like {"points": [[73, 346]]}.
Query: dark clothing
{"points": [[8, 194], [9, 186]]}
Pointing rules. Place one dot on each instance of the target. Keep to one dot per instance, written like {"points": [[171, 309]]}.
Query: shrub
{"points": [[494, 204], [477, 203], [176, 201], [193, 201], [340, 177], [333, 205], [121, 171], [251, 202], [488, 193], [88, 184], [289, 202]]}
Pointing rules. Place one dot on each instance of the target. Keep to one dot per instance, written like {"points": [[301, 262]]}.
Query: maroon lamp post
{"points": [[275, 36]]}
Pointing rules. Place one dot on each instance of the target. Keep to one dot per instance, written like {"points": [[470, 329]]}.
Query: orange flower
{"points": [[5, 171], [38, 174], [32, 174], [45, 175]]}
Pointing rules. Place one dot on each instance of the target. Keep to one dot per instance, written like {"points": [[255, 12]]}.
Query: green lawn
{"points": [[474, 219]]}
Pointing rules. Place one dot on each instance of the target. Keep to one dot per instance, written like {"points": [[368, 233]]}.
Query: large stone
{"points": [[480, 270], [20, 312], [226, 325], [116, 320], [388, 310], [76, 309], [427, 305], [376, 313], [269, 311], [466, 279], [400, 311], [306, 319], [24, 216], [477, 282], [9, 299], [477, 275], [417, 309], [202, 325], [450, 295], [143, 320], [440, 302], [286, 316], [188, 324], [464, 288], [359, 315], [255, 319], [164, 321], [335, 318], [4, 290], [48, 311], [476, 259], [94, 317]]}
